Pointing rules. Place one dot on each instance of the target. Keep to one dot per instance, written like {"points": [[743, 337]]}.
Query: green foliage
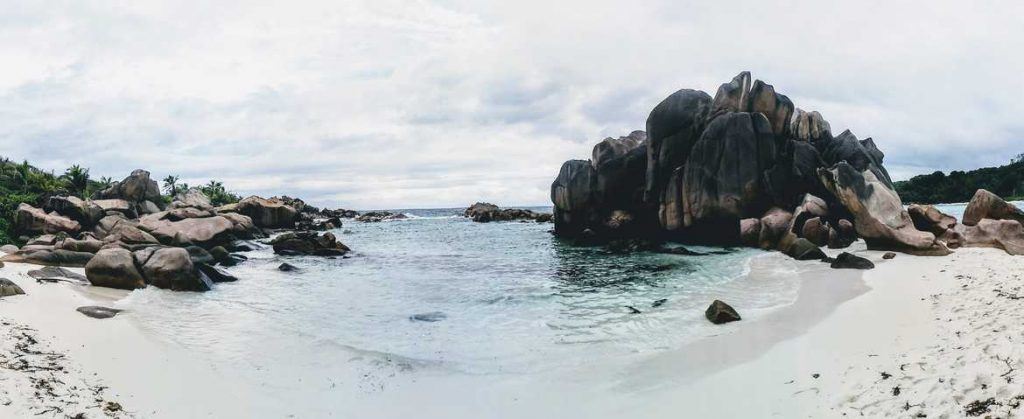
{"points": [[1006, 181], [217, 194], [76, 179]]}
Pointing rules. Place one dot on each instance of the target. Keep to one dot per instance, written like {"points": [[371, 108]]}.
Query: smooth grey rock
{"points": [[98, 312]]}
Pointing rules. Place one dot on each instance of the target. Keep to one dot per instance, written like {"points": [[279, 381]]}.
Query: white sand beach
{"points": [[934, 336]]}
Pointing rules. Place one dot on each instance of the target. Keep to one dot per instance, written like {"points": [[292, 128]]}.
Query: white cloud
{"points": [[373, 104]]}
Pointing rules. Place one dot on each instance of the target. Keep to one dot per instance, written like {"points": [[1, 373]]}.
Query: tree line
{"points": [[24, 183], [959, 186]]}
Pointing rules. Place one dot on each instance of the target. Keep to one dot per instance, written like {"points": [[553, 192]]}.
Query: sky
{"points": [[442, 103]]}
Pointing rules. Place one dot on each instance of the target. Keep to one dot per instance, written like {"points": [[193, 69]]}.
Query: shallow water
{"points": [[440, 293]]}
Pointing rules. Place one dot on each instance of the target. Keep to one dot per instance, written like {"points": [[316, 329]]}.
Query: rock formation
{"points": [[736, 169], [483, 212]]}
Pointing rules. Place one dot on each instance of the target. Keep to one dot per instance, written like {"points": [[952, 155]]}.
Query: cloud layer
{"points": [[383, 104]]}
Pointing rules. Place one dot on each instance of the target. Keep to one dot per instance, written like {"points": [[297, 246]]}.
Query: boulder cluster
{"points": [[483, 212], [745, 167], [126, 237]]}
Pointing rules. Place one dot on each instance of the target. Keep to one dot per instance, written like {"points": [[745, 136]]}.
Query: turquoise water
{"points": [[505, 298]]}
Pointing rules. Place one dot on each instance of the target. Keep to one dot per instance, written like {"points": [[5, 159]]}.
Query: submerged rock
{"points": [[850, 261], [378, 216], [98, 312], [287, 267], [9, 288], [483, 212], [719, 312], [434, 316]]}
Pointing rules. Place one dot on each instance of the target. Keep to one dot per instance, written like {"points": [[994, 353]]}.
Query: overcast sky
{"points": [[385, 104]]}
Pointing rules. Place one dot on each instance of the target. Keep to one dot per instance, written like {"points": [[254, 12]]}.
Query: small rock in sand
{"points": [[98, 312], [8, 288], [849, 261], [889, 255], [719, 312], [51, 272]]}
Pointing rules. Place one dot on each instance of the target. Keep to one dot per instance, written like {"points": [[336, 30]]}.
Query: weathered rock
{"points": [[9, 248], [128, 233], [308, 243], [774, 106], [32, 220], [850, 261], [220, 254], [750, 232], [719, 312], [613, 148], [572, 194], [192, 198], [339, 213], [216, 274], [86, 213], [889, 255], [842, 235], [87, 244], [9, 288], [49, 257], [206, 232], [816, 231], [172, 268], [378, 216], [1000, 234], [115, 205], [673, 127], [803, 249], [242, 226], [734, 95], [930, 219], [861, 155], [774, 226], [268, 213], [287, 267], [178, 214], [986, 204], [114, 268], [722, 177], [52, 272], [98, 312], [809, 126], [483, 212], [878, 214], [244, 246], [795, 173], [135, 188]]}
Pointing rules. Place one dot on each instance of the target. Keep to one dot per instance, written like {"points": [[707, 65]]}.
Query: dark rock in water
{"points": [[287, 267], [9, 288], [483, 212], [633, 310], [51, 272], [660, 302], [719, 312], [339, 213], [889, 255], [233, 259], [172, 268], [378, 216], [216, 274], [219, 254], [434, 316], [200, 255], [803, 249], [98, 312], [308, 243], [850, 261], [245, 246]]}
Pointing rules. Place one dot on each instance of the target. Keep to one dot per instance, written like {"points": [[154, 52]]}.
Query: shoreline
{"points": [[846, 326]]}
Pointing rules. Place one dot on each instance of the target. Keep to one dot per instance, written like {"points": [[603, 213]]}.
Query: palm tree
{"points": [[170, 184], [23, 174], [77, 179]]}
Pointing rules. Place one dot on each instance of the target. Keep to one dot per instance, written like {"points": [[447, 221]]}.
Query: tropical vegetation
{"points": [[959, 186]]}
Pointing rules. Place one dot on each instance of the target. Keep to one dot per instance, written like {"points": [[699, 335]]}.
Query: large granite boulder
{"points": [[795, 173], [87, 243], [612, 148], [268, 213], [775, 225], [142, 192], [673, 127], [878, 213], [733, 96], [114, 268], [774, 106], [621, 177], [722, 177], [308, 243], [205, 232], [171, 268], [86, 213], [192, 198], [1000, 234], [572, 193], [863, 155], [116, 205], [988, 205], [930, 219], [48, 257], [32, 220]]}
